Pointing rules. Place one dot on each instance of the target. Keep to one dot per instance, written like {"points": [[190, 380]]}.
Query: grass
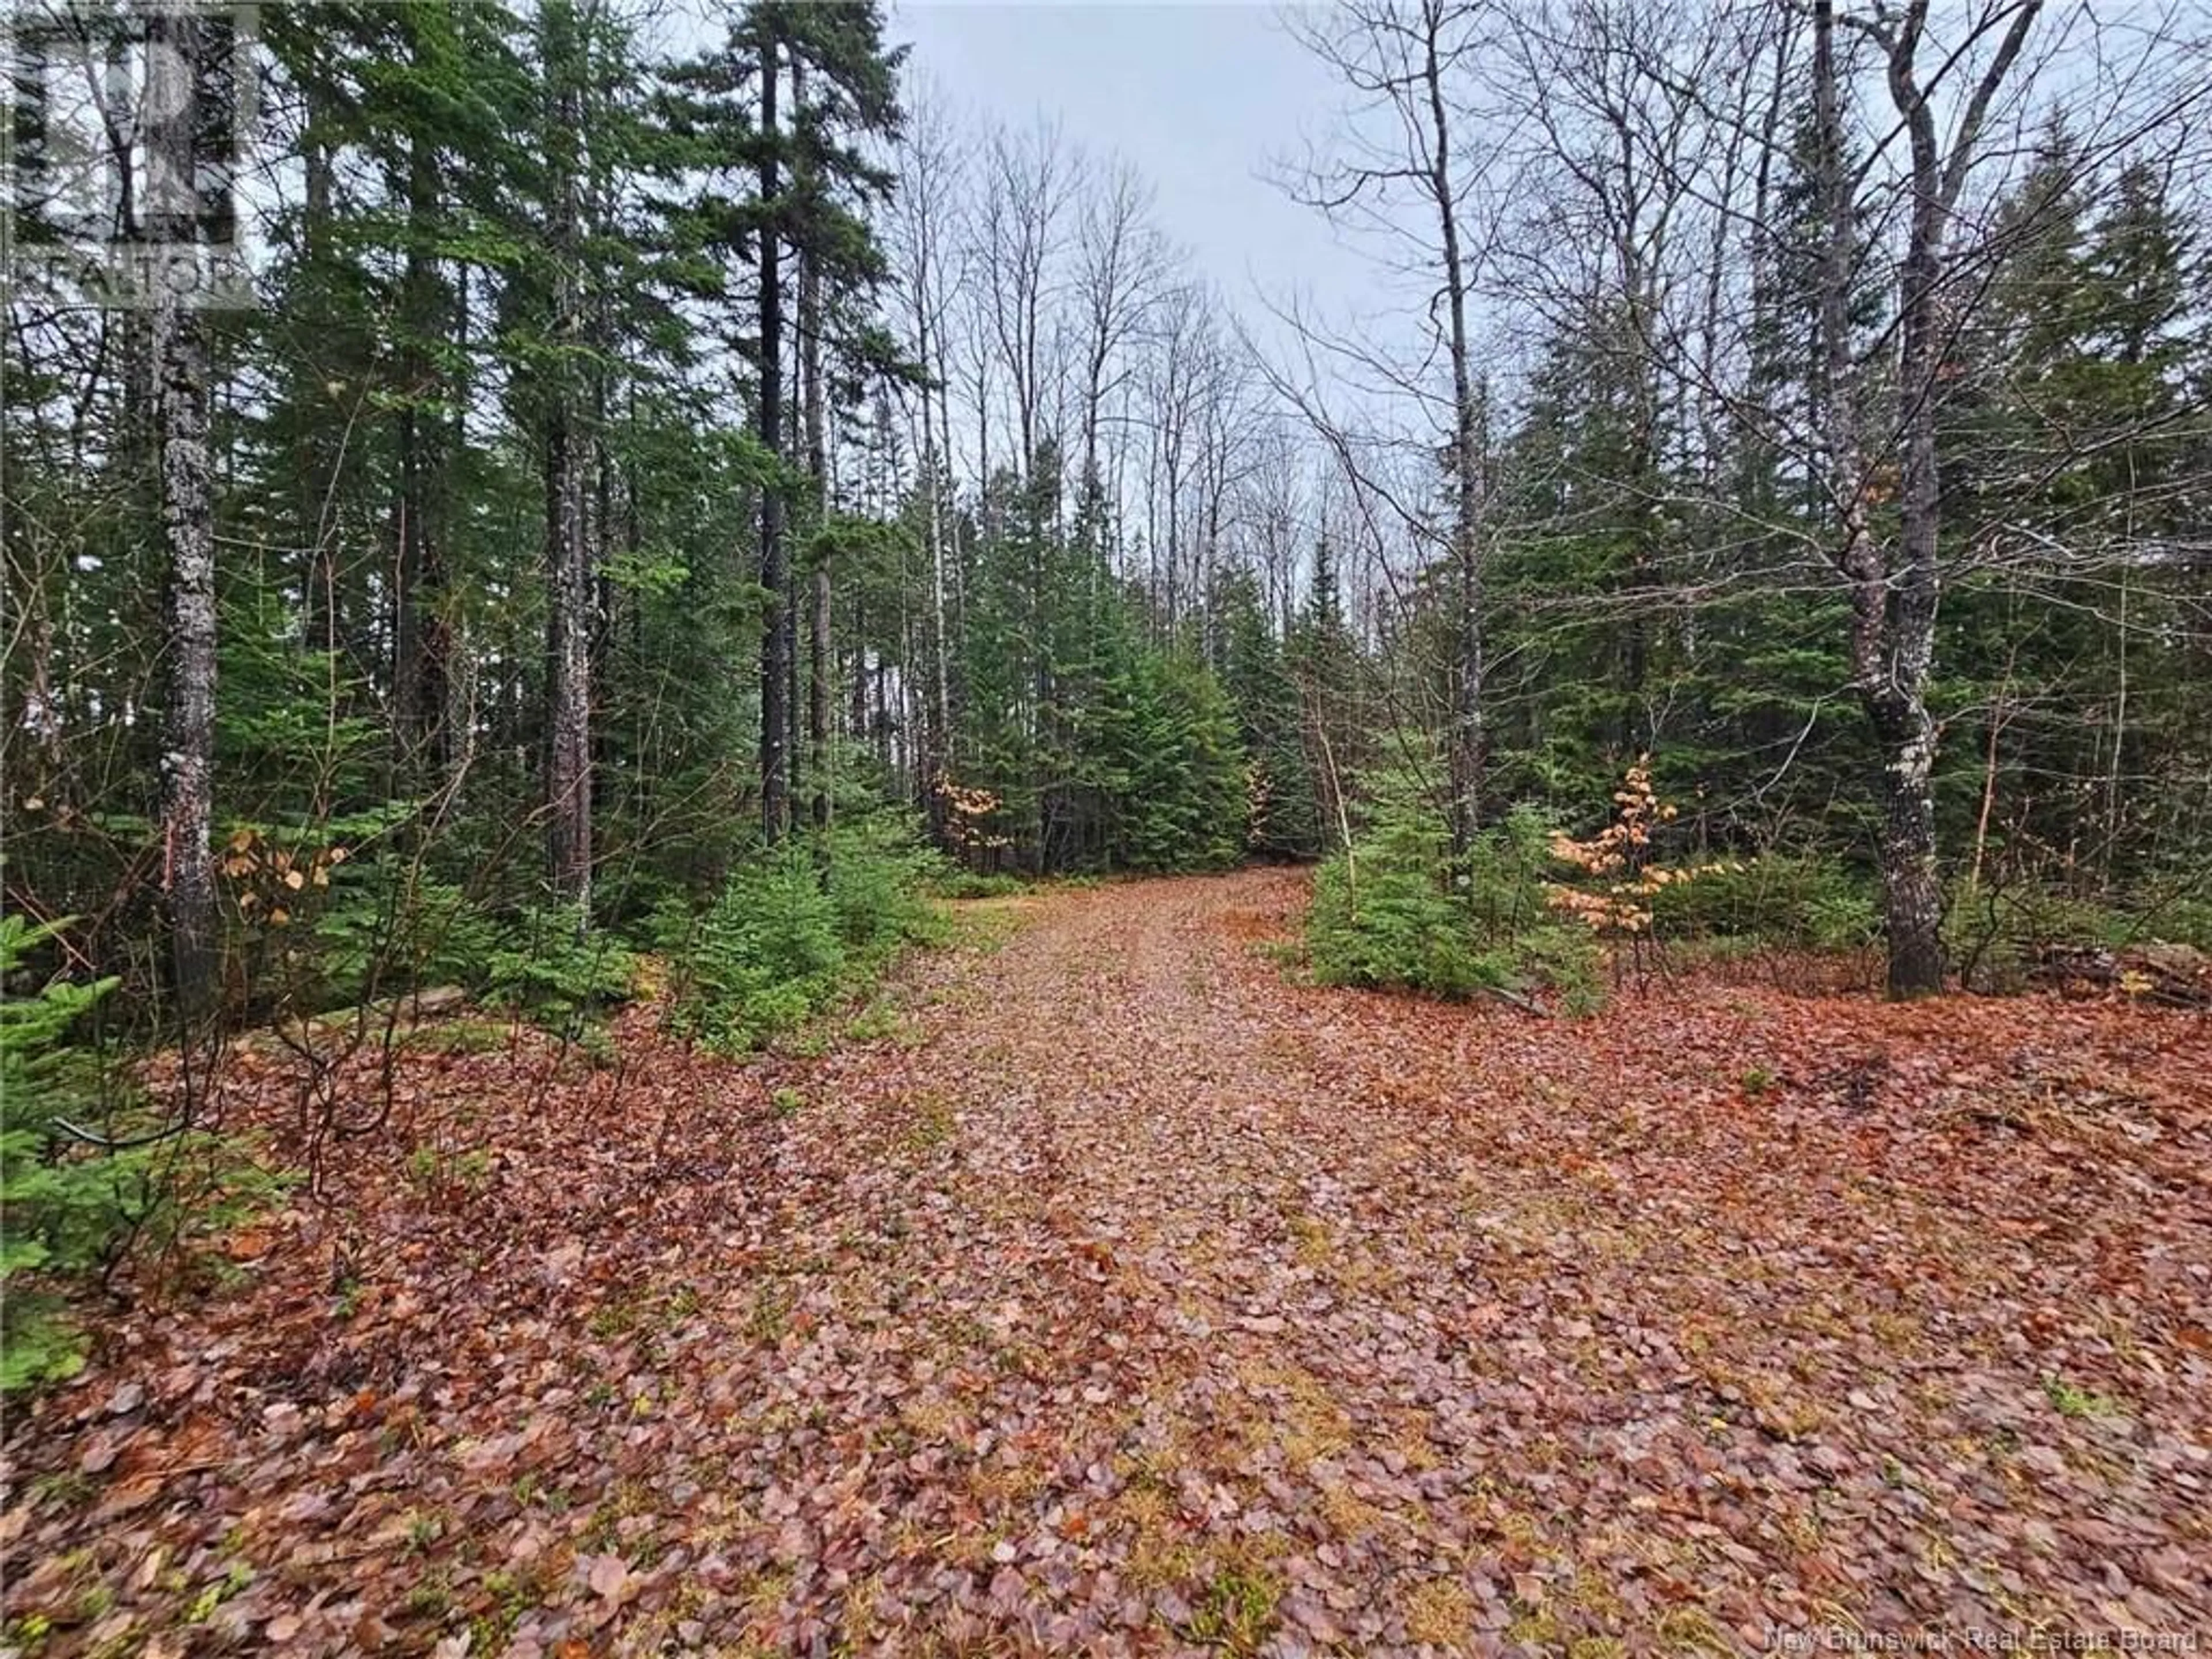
{"points": [[971, 884], [213, 1596], [1440, 1614], [1235, 1613], [982, 926], [2068, 1401], [1158, 1556], [1347, 1513], [509, 1596], [875, 1023], [430, 1598], [424, 1529], [433, 1171], [770, 1314], [64, 1489], [1305, 1420], [458, 1036], [617, 1316], [862, 1007], [930, 1126]]}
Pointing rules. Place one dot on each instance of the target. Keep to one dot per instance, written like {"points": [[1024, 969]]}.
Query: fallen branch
{"points": [[1513, 998], [2178, 975]]}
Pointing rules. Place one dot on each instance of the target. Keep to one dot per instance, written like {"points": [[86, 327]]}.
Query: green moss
{"points": [[1235, 1611]]}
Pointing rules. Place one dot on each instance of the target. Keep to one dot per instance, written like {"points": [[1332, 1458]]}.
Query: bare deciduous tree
{"points": [[1413, 180], [1895, 588]]}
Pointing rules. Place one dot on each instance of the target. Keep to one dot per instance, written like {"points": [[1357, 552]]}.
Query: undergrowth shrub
{"points": [[1505, 876], [879, 874], [551, 965], [1799, 902], [796, 929], [2178, 921], [1394, 913], [327, 914], [87, 1174], [1996, 931], [960, 883], [758, 958], [1617, 877], [1381, 922], [391, 927]]}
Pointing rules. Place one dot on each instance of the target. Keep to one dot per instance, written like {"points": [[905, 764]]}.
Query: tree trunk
{"points": [[1891, 634], [794, 707], [883, 714], [1894, 602], [1911, 884], [856, 702], [181, 421], [938, 763], [775, 567], [822, 670], [568, 575], [568, 661], [459, 667], [420, 648], [1466, 745], [1914, 892], [320, 623]]}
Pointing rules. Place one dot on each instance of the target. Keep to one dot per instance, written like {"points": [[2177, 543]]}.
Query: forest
{"points": [[617, 614]]}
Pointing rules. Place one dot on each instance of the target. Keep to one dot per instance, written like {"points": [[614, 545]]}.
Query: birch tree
{"points": [[567, 552], [177, 47], [1896, 583]]}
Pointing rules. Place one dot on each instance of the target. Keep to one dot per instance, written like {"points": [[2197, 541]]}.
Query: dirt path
{"points": [[1128, 1297]]}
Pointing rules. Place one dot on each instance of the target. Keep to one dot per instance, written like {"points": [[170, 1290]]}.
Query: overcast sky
{"points": [[1202, 96]]}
